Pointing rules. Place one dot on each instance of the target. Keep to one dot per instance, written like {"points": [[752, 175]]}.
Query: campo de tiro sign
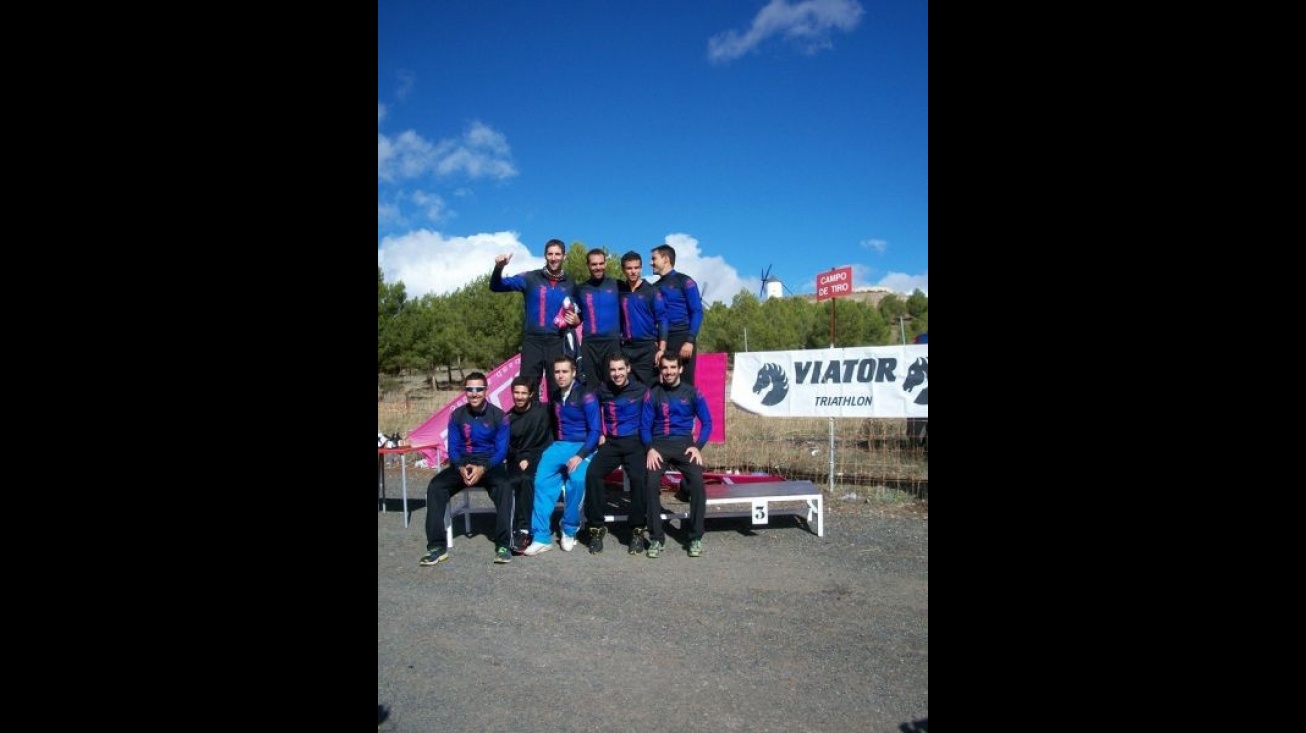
{"points": [[859, 381], [834, 283]]}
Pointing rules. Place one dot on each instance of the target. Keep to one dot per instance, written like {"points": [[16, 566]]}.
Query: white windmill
{"points": [[771, 286]]}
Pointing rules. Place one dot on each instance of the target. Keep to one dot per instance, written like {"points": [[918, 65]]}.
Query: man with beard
{"points": [[621, 401], [600, 315], [575, 426], [543, 292], [666, 429], [529, 433]]}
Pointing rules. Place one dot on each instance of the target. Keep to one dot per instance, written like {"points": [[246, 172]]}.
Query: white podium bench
{"points": [[748, 499]]}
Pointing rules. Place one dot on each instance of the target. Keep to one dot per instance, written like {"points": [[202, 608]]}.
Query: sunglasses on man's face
{"points": [[473, 389]]}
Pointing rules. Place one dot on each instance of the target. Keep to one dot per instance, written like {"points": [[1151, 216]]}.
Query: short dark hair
{"points": [[618, 356], [559, 359], [475, 377], [527, 382], [595, 251], [668, 251], [552, 242], [631, 256], [672, 356]]}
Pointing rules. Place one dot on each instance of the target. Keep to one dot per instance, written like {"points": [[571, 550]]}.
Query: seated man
{"points": [[621, 401], [575, 437], [530, 433], [666, 429], [477, 446]]}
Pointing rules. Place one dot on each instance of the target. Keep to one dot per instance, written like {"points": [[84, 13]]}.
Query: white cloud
{"points": [[901, 282], [720, 281], [879, 245], [806, 24], [481, 152], [428, 262], [432, 205], [862, 275]]}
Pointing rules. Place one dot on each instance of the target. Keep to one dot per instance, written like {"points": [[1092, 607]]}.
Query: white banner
{"points": [[861, 381]]}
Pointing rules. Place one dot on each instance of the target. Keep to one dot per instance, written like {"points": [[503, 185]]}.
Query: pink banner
{"points": [[710, 373]]}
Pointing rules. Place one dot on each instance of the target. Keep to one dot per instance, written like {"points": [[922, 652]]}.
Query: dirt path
{"points": [[773, 629]]}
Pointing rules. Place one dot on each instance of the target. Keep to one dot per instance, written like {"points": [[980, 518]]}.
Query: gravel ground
{"points": [[773, 629]]}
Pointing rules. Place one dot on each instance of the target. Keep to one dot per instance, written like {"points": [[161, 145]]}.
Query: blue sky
{"points": [[792, 134]]}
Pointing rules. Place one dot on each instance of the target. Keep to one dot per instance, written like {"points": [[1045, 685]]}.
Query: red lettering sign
{"points": [[834, 283]]}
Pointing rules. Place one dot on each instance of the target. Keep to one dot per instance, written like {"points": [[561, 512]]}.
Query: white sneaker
{"points": [[536, 548], [568, 542]]}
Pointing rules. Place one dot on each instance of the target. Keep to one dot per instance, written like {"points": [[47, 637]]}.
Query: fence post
{"points": [[831, 419], [832, 456]]}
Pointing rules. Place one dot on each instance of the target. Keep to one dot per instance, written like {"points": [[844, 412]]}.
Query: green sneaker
{"points": [[696, 548], [502, 555], [433, 557], [654, 549]]}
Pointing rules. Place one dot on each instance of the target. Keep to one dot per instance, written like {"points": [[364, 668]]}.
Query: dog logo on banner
{"points": [[772, 377], [918, 373]]}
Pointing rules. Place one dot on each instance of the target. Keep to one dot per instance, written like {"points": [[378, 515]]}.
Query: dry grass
{"points": [[866, 451]]}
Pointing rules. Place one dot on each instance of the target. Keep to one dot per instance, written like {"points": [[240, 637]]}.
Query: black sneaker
{"points": [[433, 557], [637, 540], [502, 555], [522, 541], [596, 539]]}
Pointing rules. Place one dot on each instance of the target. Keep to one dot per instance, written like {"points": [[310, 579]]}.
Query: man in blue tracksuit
{"points": [[575, 437], [643, 320], [543, 292], [666, 429], [684, 308], [477, 444], [621, 402], [600, 316]]}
